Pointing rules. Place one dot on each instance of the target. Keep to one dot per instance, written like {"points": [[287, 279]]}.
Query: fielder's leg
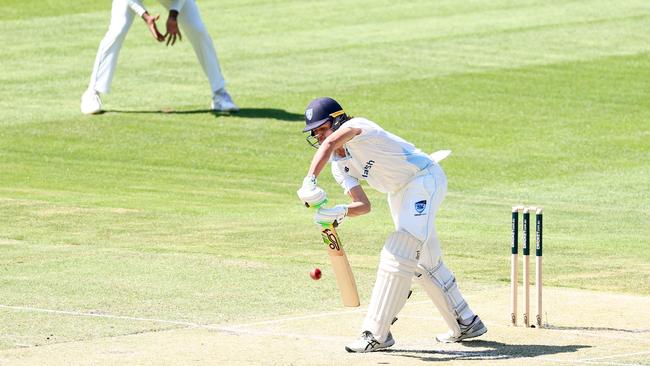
{"points": [[109, 48], [106, 59], [194, 29], [396, 268]]}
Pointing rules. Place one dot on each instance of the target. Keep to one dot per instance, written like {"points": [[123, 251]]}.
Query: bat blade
{"points": [[341, 267]]}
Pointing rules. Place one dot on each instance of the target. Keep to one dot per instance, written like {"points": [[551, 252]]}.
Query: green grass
{"points": [[193, 216]]}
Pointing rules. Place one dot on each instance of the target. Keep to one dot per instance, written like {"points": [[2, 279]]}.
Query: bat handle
{"points": [[335, 224], [322, 204]]}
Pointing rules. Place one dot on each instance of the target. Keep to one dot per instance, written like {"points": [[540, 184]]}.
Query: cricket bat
{"points": [[342, 271]]}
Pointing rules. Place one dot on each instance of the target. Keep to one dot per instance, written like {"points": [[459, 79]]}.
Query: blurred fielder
{"points": [[183, 12], [358, 149]]}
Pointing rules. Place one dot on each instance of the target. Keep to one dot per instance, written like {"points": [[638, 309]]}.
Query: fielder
{"points": [[183, 12], [359, 149]]}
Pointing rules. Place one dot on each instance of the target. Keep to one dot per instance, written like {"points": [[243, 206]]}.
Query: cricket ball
{"points": [[315, 274]]}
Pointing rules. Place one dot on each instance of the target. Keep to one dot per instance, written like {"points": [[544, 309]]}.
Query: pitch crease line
{"points": [[108, 316], [557, 360], [191, 324], [311, 316], [224, 329], [616, 356]]}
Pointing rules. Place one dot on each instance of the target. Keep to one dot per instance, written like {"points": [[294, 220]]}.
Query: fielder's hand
{"points": [[331, 216], [172, 28], [311, 194], [151, 24]]}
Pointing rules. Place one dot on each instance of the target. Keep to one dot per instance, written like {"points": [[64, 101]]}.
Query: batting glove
{"points": [[330, 216], [311, 194]]}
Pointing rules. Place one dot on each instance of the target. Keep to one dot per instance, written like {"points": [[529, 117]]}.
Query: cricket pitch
{"points": [[581, 327]]}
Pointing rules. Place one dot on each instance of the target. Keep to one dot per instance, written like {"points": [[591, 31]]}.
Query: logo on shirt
{"points": [[420, 206], [366, 168], [346, 169], [309, 113]]}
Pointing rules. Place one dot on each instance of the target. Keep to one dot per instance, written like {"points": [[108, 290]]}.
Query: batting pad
{"points": [[397, 265], [440, 284]]}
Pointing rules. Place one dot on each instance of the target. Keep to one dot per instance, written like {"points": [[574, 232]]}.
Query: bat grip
{"points": [[335, 224], [322, 204], [317, 206]]}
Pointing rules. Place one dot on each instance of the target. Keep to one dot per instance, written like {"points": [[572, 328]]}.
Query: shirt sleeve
{"points": [[177, 5], [136, 6], [346, 181]]}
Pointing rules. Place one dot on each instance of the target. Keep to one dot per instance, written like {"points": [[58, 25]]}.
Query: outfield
{"points": [[160, 223]]}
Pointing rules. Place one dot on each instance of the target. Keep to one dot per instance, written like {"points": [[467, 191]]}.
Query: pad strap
{"points": [[440, 285]]}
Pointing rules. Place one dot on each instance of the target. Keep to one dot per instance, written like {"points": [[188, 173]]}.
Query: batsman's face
{"points": [[319, 134], [322, 132]]}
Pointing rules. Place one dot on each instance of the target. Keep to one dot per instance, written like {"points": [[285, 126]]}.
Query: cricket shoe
{"points": [[368, 343], [473, 329], [222, 102], [90, 102]]}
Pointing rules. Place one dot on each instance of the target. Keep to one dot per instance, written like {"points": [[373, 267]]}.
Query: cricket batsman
{"points": [[359, 149]]}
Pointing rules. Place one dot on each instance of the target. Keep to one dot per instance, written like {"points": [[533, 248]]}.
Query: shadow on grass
{"points": [[271, 113], [493, 351]]}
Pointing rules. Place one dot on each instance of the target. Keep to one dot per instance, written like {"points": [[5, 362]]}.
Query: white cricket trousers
{"points": [[414, 209], [192, 28]]}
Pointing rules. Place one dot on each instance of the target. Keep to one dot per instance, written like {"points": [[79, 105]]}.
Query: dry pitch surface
{"points": [[582, 327]]}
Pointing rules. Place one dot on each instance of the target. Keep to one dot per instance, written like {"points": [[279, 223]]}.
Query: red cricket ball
{"points": [[315, 274]]}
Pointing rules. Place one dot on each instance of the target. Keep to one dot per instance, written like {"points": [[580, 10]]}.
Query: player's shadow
{"points": [[491, 351], [269, 113]]}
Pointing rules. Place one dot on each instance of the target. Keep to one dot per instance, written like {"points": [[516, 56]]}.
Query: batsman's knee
{"points": [[400, 253]]}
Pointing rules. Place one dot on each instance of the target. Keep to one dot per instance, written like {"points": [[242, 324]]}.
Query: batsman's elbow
{"points": [[357, 209], [360, 202], [366, 207]]}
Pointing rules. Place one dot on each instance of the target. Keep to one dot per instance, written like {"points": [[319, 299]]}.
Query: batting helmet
{"points": [[321, 110]]}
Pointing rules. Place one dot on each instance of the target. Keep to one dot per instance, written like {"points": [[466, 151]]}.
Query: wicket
{"points": [[514, 276]]}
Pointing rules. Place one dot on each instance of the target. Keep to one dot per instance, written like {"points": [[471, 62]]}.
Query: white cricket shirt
{"points": [[386, 161]]}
